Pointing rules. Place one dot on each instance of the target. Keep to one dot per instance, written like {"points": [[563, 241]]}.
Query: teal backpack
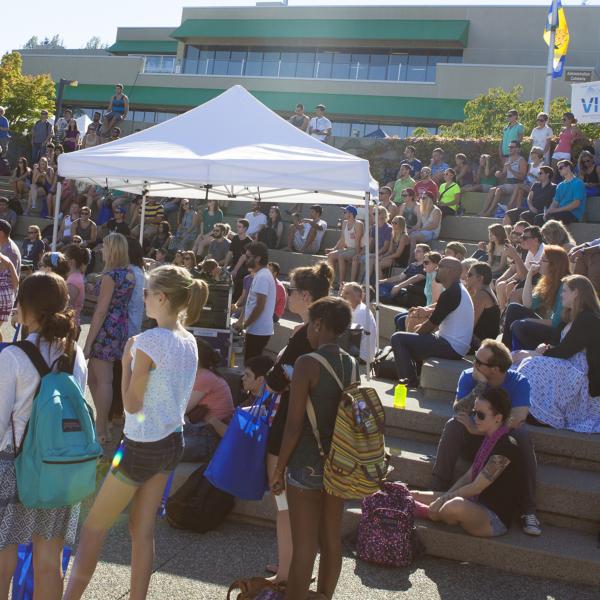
{"points": [[56, 463]]}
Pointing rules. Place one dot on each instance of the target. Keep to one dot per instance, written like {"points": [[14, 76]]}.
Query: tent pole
{"points": [[377, 257], [143, 217], [367, 287], [56, 214]]}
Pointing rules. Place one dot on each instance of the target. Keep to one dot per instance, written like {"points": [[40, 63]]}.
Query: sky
{"points": [[77, 22]]}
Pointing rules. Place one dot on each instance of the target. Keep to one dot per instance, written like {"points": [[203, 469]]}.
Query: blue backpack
{"points": [[56, 463]]}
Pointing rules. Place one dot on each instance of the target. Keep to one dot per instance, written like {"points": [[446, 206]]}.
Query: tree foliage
{"points": [[23, 96], [95, 43], [485, 115], [33, 42]]}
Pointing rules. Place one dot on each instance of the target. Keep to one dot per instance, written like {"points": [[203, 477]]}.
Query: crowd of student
{"points": [[531, 286]]}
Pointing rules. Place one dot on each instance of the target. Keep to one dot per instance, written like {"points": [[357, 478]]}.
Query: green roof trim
{"points": [[144, 47], [424, 30], [436, 110]]}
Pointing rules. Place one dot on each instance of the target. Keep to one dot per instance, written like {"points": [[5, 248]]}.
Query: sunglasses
{"points": [[291, 290], [481, 416], [526, 237], [405, 195], [426, 262], [562, 167], [29, 231], [480, 363]]}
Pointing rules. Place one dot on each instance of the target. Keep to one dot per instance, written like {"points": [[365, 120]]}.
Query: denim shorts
{"points": [[137, 462], [306, 478], [498, 527]]}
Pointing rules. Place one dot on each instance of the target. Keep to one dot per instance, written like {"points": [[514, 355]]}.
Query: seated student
{"points": [[361, 315], [399, 249], [280, 291], [539, 318], [33, 247], [510, 285], [437, 165], [384, 239], [404, 181], [430, 224], [464, 174], [496, 249], [539, 199], [589, 172], [452, 317], [432, 291], [586, 259], [570, 198], [483, 177], [412, 280], [6, 213], [385, 195], [460, 438], [556, 234], [565, 378], [253, 379], [236, 257], [219, 246], [534, 166], [455, 250], [349, 244], [209, 409], [117, 224], [426, 185], [410, 159], [306, 235], [485, 303], [449, 198], [410, 210], [486, 498]]}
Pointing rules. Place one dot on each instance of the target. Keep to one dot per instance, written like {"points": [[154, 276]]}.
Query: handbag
{"points": [[238, 465]]}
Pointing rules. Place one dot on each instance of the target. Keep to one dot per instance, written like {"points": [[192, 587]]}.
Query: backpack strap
{"points": [[35, 356], [325, 363]]}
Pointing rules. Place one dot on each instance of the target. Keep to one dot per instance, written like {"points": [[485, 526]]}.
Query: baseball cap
{"points": [[351, 209], [321, 106], [120, 209], [512, 113]]}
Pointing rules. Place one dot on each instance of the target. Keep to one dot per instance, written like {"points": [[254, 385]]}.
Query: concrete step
{"points": [[291, 260], [440, 246], [585, 232], [566, 497], [559, 553], [23, 222], [470, 229], [424, 418]]}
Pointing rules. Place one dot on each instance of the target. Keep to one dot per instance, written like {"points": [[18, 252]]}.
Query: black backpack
{"points": [[198, 505], [384, 364]]}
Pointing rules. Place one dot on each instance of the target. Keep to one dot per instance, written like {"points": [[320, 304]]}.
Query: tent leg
{"points": [[143, 217], [56, 215], [377, 311], [367, 286]]}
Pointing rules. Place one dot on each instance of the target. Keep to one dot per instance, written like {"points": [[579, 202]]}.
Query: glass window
{"points": [[149, 116], [236, 63], [397, 67], [161, 117], [192, 52], [152, 64], [271, 64], [206, 62], [357, 130], [168, 64], [360, 66], [340, 129], [455, 59], [306, 64], [288, 64], [253, 64], [417, 68], [371, 127], [378, 67], [324, 62]]}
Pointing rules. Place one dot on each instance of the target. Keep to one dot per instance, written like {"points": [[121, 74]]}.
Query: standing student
{"points": [[315, 515], [10, 269], [43, 310], [159, 369]]}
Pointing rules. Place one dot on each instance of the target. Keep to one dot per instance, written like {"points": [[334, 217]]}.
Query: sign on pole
{"points": [[585, 101]]}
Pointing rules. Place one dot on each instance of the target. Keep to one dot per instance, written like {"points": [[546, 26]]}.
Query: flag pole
{"points": [[550, 64]]}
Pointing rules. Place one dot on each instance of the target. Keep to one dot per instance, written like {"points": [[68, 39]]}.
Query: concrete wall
{"points": [[145, 33]]}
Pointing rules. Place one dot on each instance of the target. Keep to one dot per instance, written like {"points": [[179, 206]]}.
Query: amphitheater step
{"points": [[565, 496], [559, 553], [470, 229]]}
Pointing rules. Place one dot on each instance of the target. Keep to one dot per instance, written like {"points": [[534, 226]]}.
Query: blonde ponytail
{"points": [[198, 298]]}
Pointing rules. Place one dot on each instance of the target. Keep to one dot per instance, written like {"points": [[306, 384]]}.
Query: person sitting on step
{"points": [[461, 438]]}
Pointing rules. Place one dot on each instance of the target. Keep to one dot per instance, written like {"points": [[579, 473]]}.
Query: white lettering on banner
{"points": [[585, 102]]}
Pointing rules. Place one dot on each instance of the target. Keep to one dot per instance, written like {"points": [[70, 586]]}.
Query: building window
{"points": [[156, 63], [322, 64]]}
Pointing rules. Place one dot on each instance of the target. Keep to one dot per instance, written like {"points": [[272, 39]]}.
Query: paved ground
{"points": [[201, 567]]}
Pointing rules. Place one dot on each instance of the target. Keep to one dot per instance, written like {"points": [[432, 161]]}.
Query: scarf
{"points": [[485, 450]]}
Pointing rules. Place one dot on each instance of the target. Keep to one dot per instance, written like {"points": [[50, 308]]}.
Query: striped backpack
{"points": [[357, 464]]}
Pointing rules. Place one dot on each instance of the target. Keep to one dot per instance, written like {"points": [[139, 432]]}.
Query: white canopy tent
{"points": [[230, 147]]}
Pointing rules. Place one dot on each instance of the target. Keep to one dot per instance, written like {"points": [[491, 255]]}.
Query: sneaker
{"points": [[530, 524]]}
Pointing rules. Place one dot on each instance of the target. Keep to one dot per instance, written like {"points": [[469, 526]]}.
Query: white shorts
{"points": [[428, 235], [561, 156]]}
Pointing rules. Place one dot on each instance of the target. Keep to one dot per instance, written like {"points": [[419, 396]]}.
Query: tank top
{"points": [[513, 171], [325, 397], [591, 177], [532, 175], [427, 220], [488, 324], [410, 215], [118, 105], [350, 236], [565, 140], [85, 234]]}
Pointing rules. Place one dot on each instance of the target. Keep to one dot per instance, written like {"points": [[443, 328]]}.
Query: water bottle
{"points": [[400, 392]]}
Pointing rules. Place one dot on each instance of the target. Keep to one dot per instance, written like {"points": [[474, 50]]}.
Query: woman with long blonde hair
{"points": [[108, 331], [565, 379], [496, 249], [159, 370], [431, 223]]}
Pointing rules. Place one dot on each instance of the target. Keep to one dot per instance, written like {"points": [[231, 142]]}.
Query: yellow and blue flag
{"points": [[561, 41]]}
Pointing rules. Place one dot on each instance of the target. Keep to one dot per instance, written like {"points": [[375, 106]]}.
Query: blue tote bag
{"points": [[22, 588], [238, 465]]}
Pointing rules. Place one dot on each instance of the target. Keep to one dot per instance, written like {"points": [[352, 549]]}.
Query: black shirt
{"points": [[448, 302], [542, 195], [113, 227], [503, 495], [238, 247]]}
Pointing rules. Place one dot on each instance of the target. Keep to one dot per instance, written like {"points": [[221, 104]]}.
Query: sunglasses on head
{"points": [[481, 416]]}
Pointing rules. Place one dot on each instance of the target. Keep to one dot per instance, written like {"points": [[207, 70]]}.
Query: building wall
{"points": [[145, 33]]}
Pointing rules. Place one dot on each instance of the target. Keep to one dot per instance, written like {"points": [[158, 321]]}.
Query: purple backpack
{"points": [[386, 529]]}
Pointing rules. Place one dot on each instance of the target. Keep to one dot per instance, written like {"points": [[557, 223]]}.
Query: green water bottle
{"points": [[400, 392]]}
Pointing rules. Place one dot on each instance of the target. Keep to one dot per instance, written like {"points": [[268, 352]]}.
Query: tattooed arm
{"points": [[466, 404]]}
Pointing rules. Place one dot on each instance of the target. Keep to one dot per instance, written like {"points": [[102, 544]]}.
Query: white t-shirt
{"points": [[318, 236], [455, 317], [534, 258], [322, 124], [19, 384], [169, 384], [257, 222], [539, 137], [263, 283], [368, 343]]}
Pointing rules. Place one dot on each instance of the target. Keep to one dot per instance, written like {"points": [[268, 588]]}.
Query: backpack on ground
{"points": [[56, 463], [357, 462], [198, 505], [386, 532], [384, 364]]}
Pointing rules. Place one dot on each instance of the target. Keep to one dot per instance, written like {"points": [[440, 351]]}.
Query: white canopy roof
{"points": [[233, 143]]}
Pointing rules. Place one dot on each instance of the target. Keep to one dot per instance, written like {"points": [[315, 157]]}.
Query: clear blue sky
{"points": [[76, 22]]}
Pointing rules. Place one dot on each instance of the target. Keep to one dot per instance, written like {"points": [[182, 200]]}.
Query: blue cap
{"points": [[351, 209], [120, 209]]}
